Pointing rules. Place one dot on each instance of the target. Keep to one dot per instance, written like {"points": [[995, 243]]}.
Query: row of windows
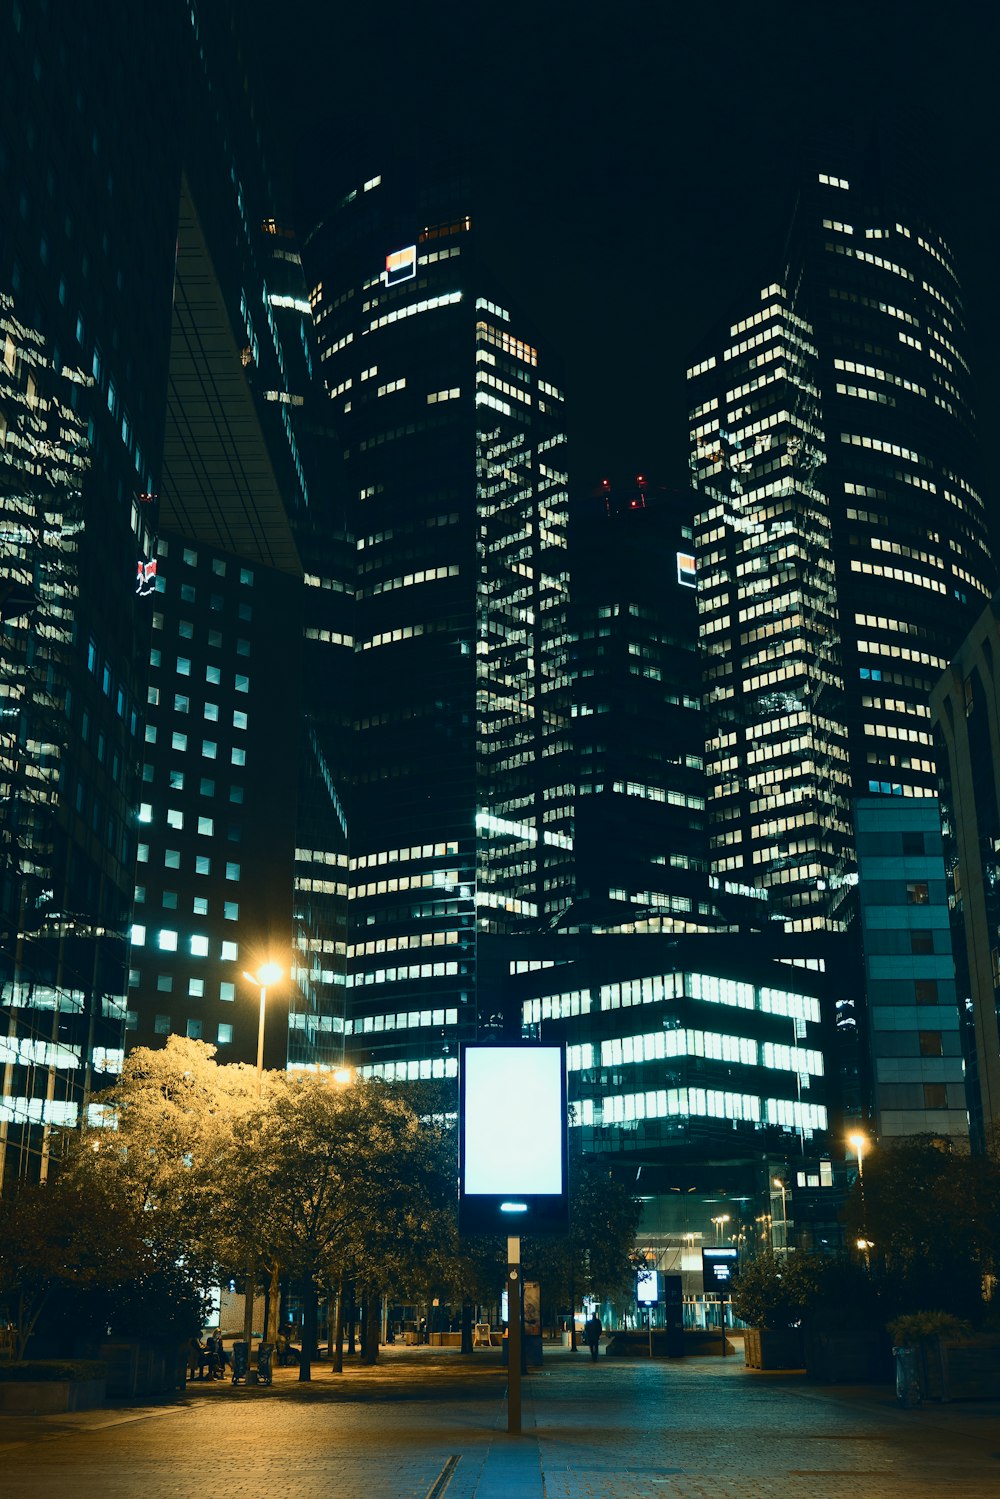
{"points": [[190, 559], [195, 1030], [209, 747], [404, 1020], [167, 941]]}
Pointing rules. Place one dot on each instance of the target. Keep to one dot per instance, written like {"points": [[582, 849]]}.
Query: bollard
{"points": [[908, 1391]]}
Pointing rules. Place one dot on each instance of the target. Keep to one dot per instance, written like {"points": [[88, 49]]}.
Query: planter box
{"points": [[45, 1396], [136, 1367], [773, 1348], [850, 1357], [968, 1370]]}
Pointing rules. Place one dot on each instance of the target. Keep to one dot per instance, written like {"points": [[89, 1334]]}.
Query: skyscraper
{"points": [[460, 808], [641, 841], [843, 543]]}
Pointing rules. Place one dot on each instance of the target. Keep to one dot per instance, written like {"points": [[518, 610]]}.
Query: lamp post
{"points": [[268, 974], [722, 1218], [860, 1144], [777, 1181]]}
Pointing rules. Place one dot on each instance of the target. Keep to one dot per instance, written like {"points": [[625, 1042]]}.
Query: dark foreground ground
{"points": [[430, 1424]]}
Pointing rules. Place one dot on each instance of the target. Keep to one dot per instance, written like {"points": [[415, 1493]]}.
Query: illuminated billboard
{"points": [[512, 1143], [400, 265], [719, 1269], [647, 1287], [687, 572]]}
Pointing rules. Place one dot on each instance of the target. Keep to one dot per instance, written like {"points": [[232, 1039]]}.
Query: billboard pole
{"points": [[513, 1336]]}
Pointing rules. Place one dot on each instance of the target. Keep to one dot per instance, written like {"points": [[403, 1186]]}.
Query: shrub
{"points": [[914, 1327]]}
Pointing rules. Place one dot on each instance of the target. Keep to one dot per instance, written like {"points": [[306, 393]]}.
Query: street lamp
{"points": [[722, 1218], [860, 1144], [267, 975], [777, 1181]]}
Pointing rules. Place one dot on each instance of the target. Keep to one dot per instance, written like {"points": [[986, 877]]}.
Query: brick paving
{"points": [[430, 1424]]}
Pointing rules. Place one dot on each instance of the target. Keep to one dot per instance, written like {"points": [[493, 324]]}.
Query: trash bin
{"points": [[265, 1352], [241, 1362], [908, 1391]]}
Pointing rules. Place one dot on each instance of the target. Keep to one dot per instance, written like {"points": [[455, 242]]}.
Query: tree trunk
{"points": [[572, 1314], [338, 1348], [308, 1329], [466, 1327], [371, 1326], [273, 1305], [363, 1326], [352, 1312]]}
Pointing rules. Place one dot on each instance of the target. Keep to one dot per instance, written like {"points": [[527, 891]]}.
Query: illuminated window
{"points": [[175, 818], [172, 858], [202, 864], [206, 826], [200, 905], [917, 893], [167, 940], [196, 988], [225, 1034], [227, 992], [199, 947], [229, 952]]}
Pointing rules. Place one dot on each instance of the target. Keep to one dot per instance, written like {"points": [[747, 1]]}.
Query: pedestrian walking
{"points": [[592, 1330]]}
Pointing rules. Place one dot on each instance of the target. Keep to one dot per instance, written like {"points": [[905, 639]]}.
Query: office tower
{"points": [[86, 256], [640, 841], [149, 476], [914, 1026], [842, 542], [964, 707], [234, 739], [460, 811]]}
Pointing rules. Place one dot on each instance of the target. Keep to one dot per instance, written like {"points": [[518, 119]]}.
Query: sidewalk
{"points": [[428, 1423]]}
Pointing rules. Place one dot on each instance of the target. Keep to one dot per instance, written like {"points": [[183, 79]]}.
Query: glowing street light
{"points": [[719, 1221], [860, 1144], [267, 975]]}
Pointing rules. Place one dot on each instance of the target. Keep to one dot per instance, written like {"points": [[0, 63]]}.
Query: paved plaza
{"points": [[430, 1424]]}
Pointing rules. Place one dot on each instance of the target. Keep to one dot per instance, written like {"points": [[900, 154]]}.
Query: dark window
{"points": [[921, 940], [935, 1096], [913, 843], [931, 1044], [925, 991], [917, 893], [161, 1025]]}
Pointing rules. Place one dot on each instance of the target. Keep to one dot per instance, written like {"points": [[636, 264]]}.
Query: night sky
{"points": [[637, 160]]}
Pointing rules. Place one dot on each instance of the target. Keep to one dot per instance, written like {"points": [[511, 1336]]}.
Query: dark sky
{"points": [[637, 159]]}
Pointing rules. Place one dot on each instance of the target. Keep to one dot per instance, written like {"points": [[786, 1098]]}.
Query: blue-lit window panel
{"points": [[209, 749], [231, 910], [178, 741], [225, 1034], [193, 1030], [202, 864], [176, 780], [206, 826], [172, 858], [175, 818], [168, 900], [232, 871], [164, 983], [239, 719], [213, 674], [138, 935], [142, 853], [229, 952], [238, 757], [200, 905], [206, 787], [199, 947], [183, 666], [167, 940], [227, 991], [196, 988], [161, 1025], [211, 712], [190, 557]]}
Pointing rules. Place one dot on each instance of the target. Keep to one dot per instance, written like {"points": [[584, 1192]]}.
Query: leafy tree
{"points": [[595, 1257], [68, 1234], [932, 1216]]}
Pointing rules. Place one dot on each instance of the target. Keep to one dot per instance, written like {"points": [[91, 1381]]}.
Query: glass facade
{"points": [[460, 804], [842, 544]]}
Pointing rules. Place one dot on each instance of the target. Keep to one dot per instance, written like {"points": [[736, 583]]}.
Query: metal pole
{"points": [[250, 1287], [513, 1336], [260, 1037]]}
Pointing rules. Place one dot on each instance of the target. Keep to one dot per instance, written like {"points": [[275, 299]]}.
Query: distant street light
{"points": [[860, 1144], [719, 1221], [777, 1181]]}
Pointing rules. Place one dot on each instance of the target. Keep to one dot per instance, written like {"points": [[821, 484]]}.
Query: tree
{"points": [[72, 1233], [932, 1216], [594, 1257]]}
